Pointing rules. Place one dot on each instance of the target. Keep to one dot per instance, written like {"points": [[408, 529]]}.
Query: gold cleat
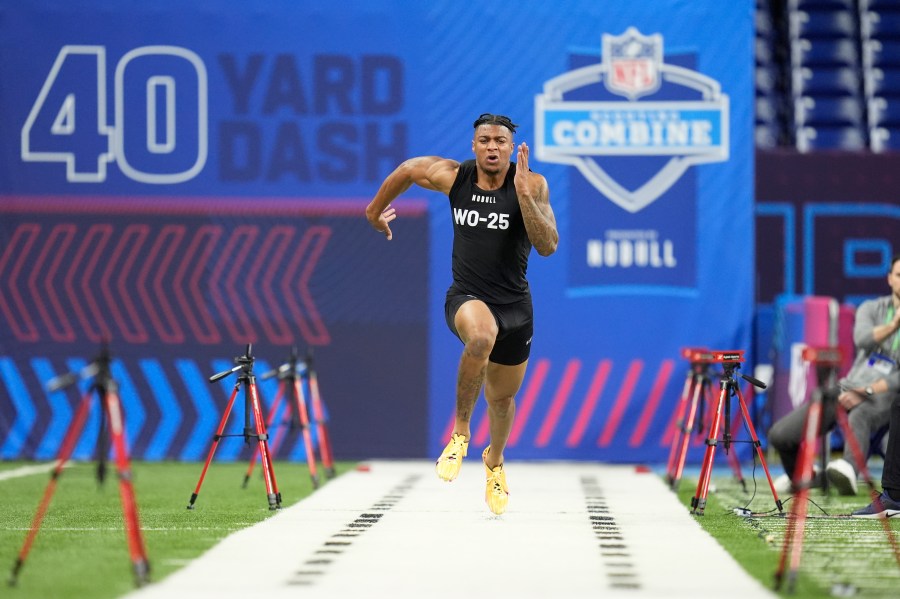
{"points": [[448, 465], [496, 493]]}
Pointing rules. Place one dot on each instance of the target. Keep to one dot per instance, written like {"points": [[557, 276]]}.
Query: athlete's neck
{"points": [[490, 181]]}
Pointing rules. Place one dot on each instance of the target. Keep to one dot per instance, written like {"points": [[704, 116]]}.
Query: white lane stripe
{"points": [[26, 471], [432, 539], [119, 528]]}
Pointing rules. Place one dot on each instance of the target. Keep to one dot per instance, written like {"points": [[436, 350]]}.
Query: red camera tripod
{"points": [[695, 395], [292, 376], [730, 361], [112, 428], [254, 427]]}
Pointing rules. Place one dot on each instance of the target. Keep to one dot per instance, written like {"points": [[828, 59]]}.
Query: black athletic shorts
{"points": [[515, 324]]}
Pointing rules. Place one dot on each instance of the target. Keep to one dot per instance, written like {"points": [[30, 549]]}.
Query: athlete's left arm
{"points": [[534, 202]]}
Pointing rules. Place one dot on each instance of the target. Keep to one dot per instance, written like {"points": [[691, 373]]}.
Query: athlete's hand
{"points": [[381, 225], [522, 179]]}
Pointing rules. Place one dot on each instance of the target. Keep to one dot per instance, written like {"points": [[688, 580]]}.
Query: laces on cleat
{"points": [[496, 493], [450, 461]]}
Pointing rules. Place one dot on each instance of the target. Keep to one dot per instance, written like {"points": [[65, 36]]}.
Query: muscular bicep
{"points": [[433, 172]]}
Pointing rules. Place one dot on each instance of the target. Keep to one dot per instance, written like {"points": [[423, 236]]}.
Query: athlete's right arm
{"points": [[430, 172]]}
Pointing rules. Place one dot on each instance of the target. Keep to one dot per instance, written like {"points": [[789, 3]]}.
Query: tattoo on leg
{"points": [[467, 390]]}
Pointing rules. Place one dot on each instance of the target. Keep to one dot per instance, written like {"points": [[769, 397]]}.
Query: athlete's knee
{"points": [[480, 343], [501, 406]]}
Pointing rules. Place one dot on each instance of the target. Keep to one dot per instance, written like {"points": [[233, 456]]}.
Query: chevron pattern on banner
{"points": [[571, 403], [144, 282], [176, 287], [176, 420]]}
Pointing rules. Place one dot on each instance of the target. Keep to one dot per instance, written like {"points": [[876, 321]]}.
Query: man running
{"points": [[500, 211]]}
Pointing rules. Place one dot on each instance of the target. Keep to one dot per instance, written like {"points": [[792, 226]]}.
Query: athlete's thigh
{"points": [[475, 317], [502, 380]]}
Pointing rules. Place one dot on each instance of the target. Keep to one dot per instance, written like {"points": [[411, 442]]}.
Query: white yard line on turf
{"points": [[26, 471], [393, 530]]}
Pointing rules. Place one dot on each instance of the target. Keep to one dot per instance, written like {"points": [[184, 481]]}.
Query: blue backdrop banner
{"points": [[185, 178]]}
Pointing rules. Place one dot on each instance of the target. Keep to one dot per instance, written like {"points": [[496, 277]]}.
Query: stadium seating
{"points": [[829, 112], [880, 25], [828, 74], [825, 52], [830, 138]]}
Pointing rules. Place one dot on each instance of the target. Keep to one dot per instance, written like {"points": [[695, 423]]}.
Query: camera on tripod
{"points": [[697, 355], [823, 356], [730, 356]]}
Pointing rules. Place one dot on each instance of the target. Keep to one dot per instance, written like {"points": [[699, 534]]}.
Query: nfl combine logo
{"points": [[633, 63], [591, 127]]}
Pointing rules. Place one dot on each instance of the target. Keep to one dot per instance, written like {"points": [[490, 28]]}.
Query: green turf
{"points": [[81, 551], [839, 556]]}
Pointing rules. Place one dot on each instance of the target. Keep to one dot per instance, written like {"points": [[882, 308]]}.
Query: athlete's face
{"points": [[493, 146]]}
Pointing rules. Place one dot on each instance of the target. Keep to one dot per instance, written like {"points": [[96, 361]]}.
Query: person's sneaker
{"points": [[448, 465], [783, 485], [888, 507], [496, 493], [841, 476]]}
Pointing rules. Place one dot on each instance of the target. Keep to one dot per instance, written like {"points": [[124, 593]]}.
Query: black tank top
{"points": [[490, 243]]}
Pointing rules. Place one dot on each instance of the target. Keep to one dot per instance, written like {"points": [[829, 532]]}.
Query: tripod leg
{"points": [[272, 412], [792, 547], [262, 439], [699, 388], [126, 489], [215, 444], [287, 423], [850, 437], [733, 459], [102, 450], [319, 415], [686, 393], [698, 502], [65, 452], [307, 435], [759, 451]]}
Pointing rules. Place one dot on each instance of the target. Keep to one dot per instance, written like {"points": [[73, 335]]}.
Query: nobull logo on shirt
{"points": [[574, 130]]}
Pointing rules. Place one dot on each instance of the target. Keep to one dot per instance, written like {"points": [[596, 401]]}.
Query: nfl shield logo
{"points": [[633, 62]]}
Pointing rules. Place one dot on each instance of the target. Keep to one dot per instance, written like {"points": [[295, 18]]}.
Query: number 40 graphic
{"points": [[159, 132]]}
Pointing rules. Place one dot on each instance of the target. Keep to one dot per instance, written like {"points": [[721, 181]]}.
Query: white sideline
{"points": [[392, 529], [26, 471]]}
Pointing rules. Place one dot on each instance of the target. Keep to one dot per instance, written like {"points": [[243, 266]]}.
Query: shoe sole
{"points": [[840, 482], [887, 514]]}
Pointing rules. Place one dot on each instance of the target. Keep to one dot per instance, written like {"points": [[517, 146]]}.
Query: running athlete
{"points": [[500, 210]]}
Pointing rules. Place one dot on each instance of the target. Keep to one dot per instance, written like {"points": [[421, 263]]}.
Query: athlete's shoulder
{"points": [[467, 166]]}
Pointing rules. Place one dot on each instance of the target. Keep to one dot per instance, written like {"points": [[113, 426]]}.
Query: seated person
{"points": [[866, 392]]}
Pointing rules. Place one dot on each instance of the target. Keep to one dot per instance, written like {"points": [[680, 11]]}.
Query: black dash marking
{"points": [[625, 585]]}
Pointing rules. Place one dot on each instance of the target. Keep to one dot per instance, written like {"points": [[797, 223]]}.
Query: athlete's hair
{"points": [[893, 262], [495, 119]]}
